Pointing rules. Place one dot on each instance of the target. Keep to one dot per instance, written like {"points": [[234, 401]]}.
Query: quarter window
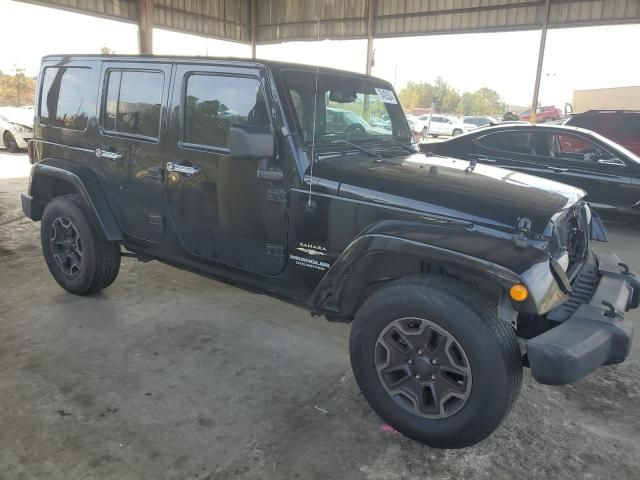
{"points": [[213, 103], [133, 103], [66, 97]]}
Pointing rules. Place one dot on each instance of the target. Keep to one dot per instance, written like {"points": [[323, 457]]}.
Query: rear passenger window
{"points": [[66, 97], [133, 103], [213, 103], [514, 142]]}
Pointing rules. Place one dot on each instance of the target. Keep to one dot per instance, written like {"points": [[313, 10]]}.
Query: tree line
{"points": [[17, 89], [446, 99]]}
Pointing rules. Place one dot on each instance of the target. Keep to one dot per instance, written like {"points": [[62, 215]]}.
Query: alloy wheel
{"points": [[423, 368], [66, 246]]}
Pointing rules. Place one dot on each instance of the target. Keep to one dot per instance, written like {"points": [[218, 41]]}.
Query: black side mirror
{"points": [[249, 142]]}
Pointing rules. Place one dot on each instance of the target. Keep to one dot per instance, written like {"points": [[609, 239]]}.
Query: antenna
{"points": [[310, 205]]}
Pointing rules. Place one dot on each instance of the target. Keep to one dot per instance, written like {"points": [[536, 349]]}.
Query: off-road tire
{"points": [[100, 258], [10, 142], [488, 342]]}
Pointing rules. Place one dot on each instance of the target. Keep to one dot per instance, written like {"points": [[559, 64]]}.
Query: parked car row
{"points": [[446, 125]]}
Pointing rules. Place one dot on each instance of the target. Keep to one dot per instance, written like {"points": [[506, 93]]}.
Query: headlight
{"points": [[22, 128]]}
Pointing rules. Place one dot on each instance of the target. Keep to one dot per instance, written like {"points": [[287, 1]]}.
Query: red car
{"points": [[621, 126], [543, 114]]}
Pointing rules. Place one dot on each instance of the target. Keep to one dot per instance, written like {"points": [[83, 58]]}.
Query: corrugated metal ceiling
{"points": [[285, 20]]}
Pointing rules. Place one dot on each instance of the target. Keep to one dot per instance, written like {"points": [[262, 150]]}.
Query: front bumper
{"points": [[593, 333], [27, 205], [23, 138]]}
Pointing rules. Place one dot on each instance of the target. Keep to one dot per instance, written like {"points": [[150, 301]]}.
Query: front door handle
{"points": [[111, 155], [558, 169], [184, 169]]}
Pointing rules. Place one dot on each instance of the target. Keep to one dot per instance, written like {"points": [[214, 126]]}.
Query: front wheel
{"points": [[79, 259], [10, 142], [434, 361]]}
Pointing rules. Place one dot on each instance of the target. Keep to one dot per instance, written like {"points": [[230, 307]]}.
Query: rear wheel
{"points": [[457, 132], [79, 259], [10, 142], [434, 361]]}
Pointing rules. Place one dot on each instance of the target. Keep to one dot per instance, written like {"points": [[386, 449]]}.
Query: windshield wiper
{"points": [[406, 147], [358, 147]]}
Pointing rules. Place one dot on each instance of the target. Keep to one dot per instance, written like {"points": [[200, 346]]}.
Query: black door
{"points": [[129, 144], [220, 209]]}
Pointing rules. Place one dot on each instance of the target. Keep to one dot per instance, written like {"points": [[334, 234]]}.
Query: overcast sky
{"points": [[575, 58]]}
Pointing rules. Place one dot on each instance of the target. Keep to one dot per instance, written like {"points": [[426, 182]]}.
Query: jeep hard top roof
{"points": [[236, 61]]}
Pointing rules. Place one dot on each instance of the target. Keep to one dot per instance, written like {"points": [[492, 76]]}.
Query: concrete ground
{"points": [[167, 375]]}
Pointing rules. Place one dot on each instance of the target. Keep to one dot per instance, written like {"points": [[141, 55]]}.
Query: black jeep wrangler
{"points": [[273, 176]]}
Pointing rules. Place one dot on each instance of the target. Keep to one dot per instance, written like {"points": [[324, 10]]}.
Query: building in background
{"points": [[620, 98]]}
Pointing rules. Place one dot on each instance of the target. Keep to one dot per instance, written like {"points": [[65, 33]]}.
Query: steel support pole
{"points": [[145, 26], [254, 28], [370, 28], [543, 41]]}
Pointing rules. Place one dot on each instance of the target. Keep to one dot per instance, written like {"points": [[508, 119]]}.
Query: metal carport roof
{"points": [[286, 20], [257, 22]]}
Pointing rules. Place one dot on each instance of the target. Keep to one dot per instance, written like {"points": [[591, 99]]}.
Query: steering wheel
{"points": [[354, 130]]}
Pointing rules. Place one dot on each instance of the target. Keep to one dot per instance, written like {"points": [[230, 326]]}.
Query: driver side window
{"points": [[567, 146]]}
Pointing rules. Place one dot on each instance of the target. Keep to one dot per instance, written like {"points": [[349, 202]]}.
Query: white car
{"points": [[16, 127], [446, 125], [415, 124]]}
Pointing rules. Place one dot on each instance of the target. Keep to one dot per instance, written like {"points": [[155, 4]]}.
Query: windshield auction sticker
{"points": [[387, 96]]}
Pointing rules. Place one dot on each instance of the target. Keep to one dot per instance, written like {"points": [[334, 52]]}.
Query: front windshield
{"points": [[348, 108]]}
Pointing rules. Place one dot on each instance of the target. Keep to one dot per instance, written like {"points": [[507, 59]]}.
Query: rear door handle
{"points": [[111, 155], [184, 169]]}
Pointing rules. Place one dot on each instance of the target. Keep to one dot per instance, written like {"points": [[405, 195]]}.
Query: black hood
{"points": [[443, 186]]}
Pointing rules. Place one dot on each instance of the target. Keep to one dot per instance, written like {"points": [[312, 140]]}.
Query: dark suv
{"points": [[234, 169], [621, 126]]}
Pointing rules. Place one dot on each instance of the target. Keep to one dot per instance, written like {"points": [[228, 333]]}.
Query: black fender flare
{"points": [[339, 293], [46, 174]]}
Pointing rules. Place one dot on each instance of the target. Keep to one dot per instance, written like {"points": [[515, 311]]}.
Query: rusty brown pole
{"points": [[543, 41], [145, 26]]}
